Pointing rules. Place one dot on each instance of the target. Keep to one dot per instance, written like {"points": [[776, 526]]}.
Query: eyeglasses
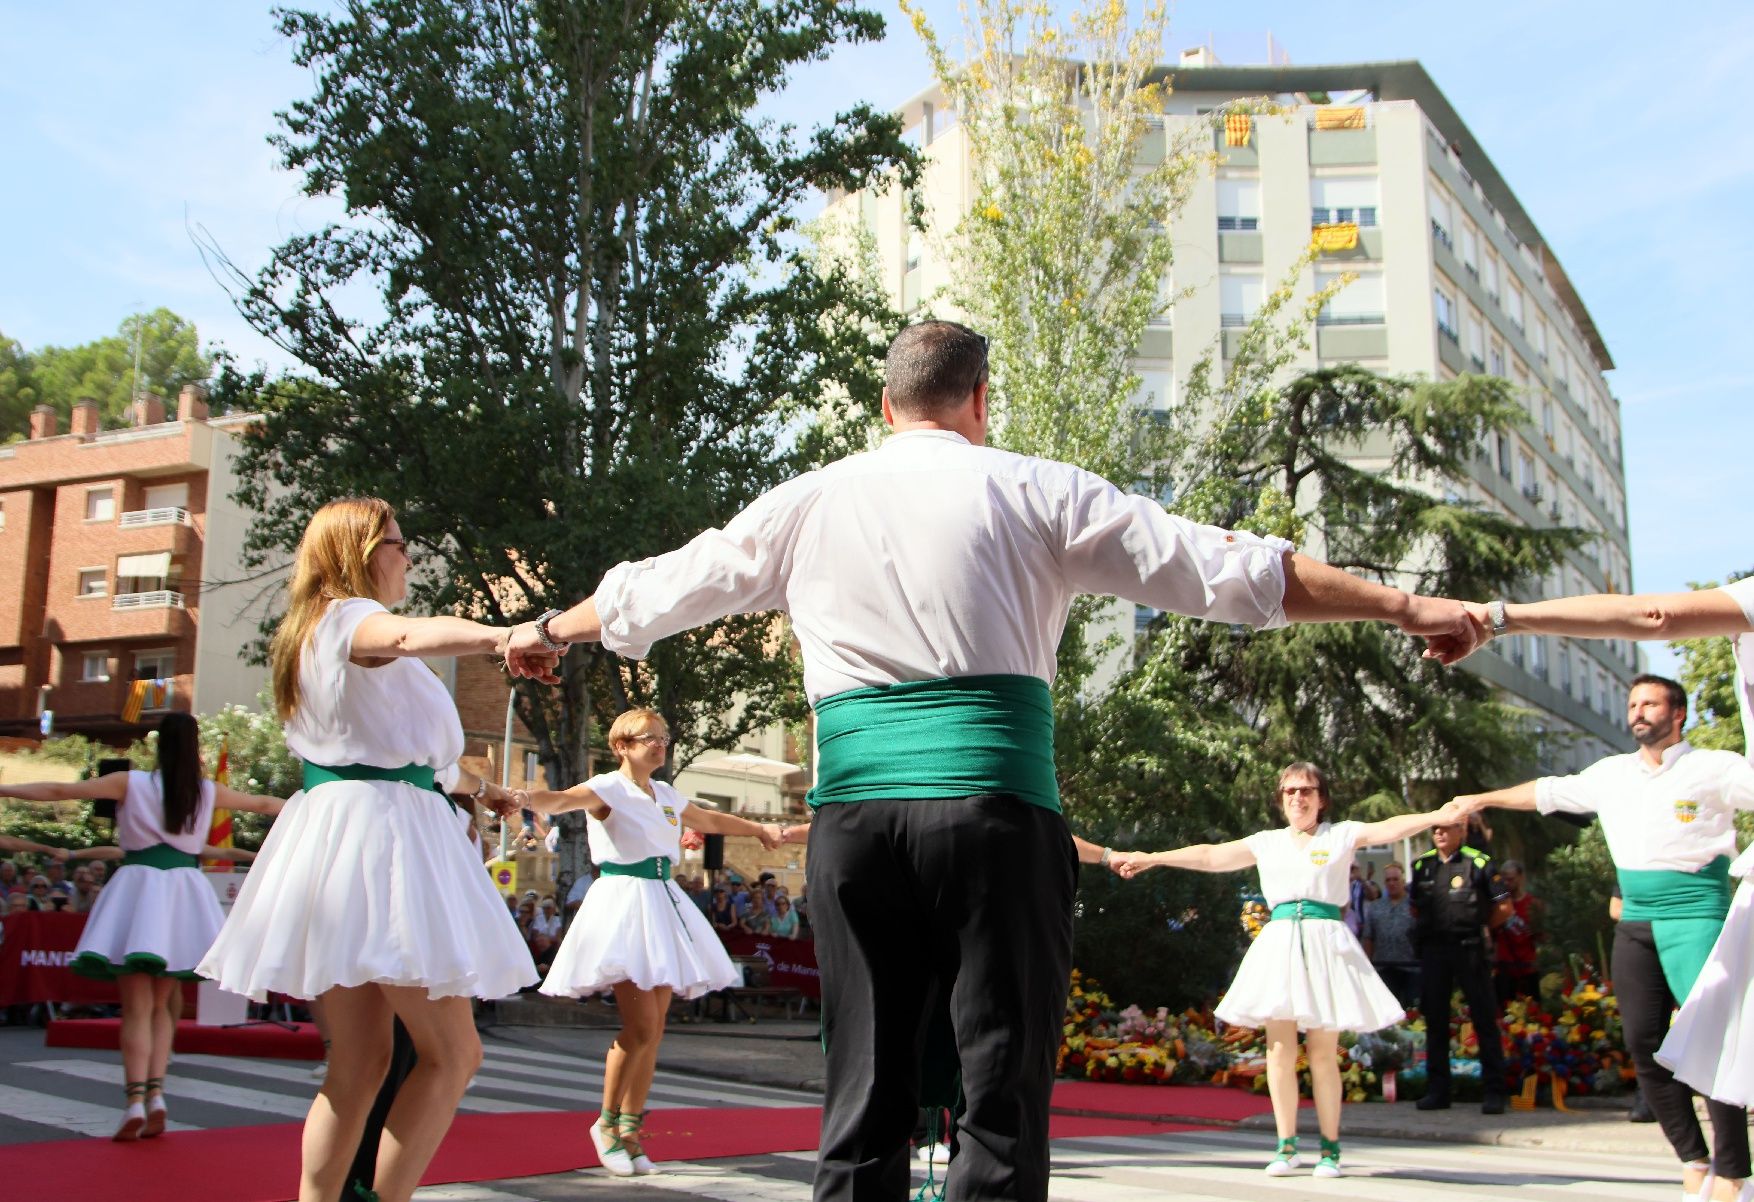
{"points": [[1296, 790], [401, 544], [652, 740]]}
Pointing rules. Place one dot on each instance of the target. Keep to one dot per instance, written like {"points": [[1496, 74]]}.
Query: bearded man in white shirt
{"points": [[928, 583], [1668, 812]]}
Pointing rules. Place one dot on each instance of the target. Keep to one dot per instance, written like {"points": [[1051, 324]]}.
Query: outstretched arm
{"points": [[13, 843], [716, 822], [1318, 592], [1201, 857], [559, 801], [112, 786], [1402, 826], [1516, 797], [1702, 613], [227, 798]]}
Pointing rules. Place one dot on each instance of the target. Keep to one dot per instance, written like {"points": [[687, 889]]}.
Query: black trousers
{"points": [[1446, 965], [921, 903], [363, 1175], [1646, 1005]]}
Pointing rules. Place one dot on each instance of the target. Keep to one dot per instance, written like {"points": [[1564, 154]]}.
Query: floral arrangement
{"points": [[1571, 1039]]}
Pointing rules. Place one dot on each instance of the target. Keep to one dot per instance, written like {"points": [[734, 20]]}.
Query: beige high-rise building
{"points": [[1453, 276]]}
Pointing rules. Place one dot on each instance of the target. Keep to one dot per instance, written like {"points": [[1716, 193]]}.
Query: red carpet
{"points": [[260, 1164], [1161, 1103], [253, 1039]]}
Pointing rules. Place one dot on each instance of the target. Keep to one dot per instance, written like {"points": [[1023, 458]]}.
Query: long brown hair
{"points": [[333, 564], [179, 770]]}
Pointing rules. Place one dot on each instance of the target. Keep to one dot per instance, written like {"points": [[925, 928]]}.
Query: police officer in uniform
{"points": [[1457, 898]]}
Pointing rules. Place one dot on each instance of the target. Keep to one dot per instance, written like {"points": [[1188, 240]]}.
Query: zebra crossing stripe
{"points": [[67, 1114], [187, 1089]]}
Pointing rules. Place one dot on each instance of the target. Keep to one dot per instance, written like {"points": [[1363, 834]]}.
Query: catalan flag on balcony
{"points": [[1238, 129], [1343, 117], [1335, 236], [219, 833], [144, 695]]}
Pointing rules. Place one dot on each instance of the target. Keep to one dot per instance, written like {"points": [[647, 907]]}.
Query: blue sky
{"points": [[125, 126]]}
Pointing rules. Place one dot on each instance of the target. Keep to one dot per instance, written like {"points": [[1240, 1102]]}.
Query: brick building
{"points": [[123, 546]]}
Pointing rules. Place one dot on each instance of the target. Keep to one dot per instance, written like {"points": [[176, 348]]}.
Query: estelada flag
{"points": [[219, 833]]}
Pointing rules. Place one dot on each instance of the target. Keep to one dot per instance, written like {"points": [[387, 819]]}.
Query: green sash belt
{"points": [[933, 739], [653, 868], [418, 775], [160, 855], [1686, 912], [1301, 910], [657, 868]]}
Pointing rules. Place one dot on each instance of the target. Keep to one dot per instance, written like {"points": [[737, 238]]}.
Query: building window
{"points": [[532, 766], [94, 582], [1363, 302], [1537, 656], [1442, 217], [1564, 670], [160, 666], [1446, 314], [1504, 455], [1239, 204], [1239, 297], [94, 666], [100, 504], [1495, 360], [1156, 389], [1490, 265]]}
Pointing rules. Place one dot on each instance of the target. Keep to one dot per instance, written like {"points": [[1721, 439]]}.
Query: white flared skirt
{"points": [[154, 920], [368, 882], [1711, 1044], [639, 930], [1323, 981]]}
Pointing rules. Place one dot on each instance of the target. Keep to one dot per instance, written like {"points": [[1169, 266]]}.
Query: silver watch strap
{"points": [[1495, 615]]}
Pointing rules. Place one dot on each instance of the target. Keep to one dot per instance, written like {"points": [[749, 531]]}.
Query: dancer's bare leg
{"points": [[359, 1021]]}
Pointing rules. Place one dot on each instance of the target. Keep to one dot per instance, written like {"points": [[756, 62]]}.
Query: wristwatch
{"points": [[1495, 615], [549, 642]]}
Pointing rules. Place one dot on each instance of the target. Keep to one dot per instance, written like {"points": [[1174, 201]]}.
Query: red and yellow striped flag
{"points": [[219, 833], [1238, 128]]}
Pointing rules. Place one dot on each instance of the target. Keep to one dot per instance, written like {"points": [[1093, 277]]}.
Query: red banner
{"points": [[34, 953], [791, 963]]}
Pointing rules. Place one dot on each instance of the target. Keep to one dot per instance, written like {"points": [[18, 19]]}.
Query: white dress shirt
{"points": [[1678, 817], [930, 557]]}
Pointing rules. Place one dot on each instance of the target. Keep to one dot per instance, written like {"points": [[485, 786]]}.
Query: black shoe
{"points": [[1493, 1103], [1432, 1102], [1641, 1112]]}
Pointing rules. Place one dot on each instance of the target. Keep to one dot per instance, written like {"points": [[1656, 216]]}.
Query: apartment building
{"points": [[123, 548], [1452, 277]]}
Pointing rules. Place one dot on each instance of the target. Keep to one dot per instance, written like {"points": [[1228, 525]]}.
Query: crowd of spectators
{"points": [[734, 905], [49, 887]]}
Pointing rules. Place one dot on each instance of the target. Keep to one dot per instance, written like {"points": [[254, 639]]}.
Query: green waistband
{"points": [[418, 775], [657, 868], [160, 855], [1650, 894], [1305, 909], [954, 737]]}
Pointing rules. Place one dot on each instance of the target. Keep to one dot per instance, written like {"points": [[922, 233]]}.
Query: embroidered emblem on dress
{"points": [[1686, 811]]}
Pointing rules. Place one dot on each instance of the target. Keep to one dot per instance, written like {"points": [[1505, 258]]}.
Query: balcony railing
{"points": [[158, 599], [1351, 319], [165, 515], [1441, 234]]}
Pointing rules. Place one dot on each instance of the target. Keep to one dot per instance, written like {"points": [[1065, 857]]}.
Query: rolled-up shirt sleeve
{"points": [[726, 571], [1566, 794], [1128, 546]]}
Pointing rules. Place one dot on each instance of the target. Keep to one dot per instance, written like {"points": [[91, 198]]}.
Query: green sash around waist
{"points": [[931, 739], [1302, 909], [657, 868], [160, 855], [418, 775], [1686, 912]]}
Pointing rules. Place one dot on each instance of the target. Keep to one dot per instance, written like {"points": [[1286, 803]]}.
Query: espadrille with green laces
{"points": [[611, 1152], [1285, 1159], [1329, 1164]]}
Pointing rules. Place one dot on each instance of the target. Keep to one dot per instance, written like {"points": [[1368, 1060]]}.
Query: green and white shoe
{"points": [[1285, 1159], [1329, 1164]]}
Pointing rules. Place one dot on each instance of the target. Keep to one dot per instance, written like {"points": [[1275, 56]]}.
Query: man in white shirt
{"points": [[928, 583], [1668, 813]]}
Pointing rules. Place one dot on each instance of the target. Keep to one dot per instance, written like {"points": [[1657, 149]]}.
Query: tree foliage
{"points": [[1708, 673], [102, 370], [599, 330]]}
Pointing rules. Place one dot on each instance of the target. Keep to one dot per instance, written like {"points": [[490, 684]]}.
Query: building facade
{"points": [[1452, 277], [124, 546]]}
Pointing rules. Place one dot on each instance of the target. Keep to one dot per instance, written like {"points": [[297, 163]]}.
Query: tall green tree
{"points": [[599, 330], [102, 370], [1708, 673]]}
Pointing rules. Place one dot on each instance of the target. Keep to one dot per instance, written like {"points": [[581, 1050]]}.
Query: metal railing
{"points": [[158, 599], [164, 515]]}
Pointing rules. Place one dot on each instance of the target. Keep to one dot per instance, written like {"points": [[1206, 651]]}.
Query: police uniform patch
{"points": [[1457, 881], [1686, 811]]}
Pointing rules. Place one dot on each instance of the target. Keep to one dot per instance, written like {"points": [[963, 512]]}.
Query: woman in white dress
{"points": [[1306, 971], [637, 933], [157, 916], [1710, 1044], [367, 894]]}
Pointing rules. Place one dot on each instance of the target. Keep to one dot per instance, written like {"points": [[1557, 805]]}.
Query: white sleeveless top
{"points": [[638, 827], [388, 716], [1318, 869], [140, 817]]}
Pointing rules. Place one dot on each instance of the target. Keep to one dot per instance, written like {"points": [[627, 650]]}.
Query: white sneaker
{"points": [[610, 1152], [934, 1154]]}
